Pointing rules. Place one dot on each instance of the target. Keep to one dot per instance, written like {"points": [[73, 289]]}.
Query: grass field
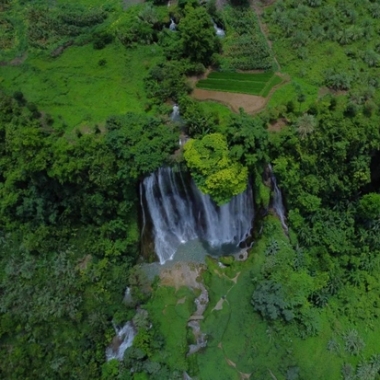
{"points": [[253, 83], [78, 91], [288, 92]]}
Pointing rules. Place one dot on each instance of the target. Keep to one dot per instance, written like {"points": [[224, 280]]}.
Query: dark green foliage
{"points": [[248, 140], [199, 41], [138, 26], [19, 96], [142, 141], [171, 44], [33, 110], [166, 81], [54, 308], [369, 206], [269, 299], [46, 27], [101, 40], [199, 121], [140, 289], [69, 236]]}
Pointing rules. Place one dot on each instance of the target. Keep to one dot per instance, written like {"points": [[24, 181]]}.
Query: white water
{"points": [[172, 25], [277, 202], [128, 299], [180, 212], [175, 114], [219, 32], [123, 340]]}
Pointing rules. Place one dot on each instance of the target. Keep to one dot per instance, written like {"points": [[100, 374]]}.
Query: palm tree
{"points": [[353, 342], [306, 125]]}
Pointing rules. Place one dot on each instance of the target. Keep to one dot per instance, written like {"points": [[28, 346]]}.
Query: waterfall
{"points": [[219, 32], [143, 214], [172, 25], [278, 204], [180, 212], [175, 114], [123, 339]]}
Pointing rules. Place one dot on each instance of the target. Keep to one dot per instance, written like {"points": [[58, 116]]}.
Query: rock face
{"points": [[123, 339], [193, 323], [277, 202]]}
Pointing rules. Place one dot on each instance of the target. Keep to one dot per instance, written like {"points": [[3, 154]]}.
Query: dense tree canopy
{"points": [[198, 35], [212, 168]]}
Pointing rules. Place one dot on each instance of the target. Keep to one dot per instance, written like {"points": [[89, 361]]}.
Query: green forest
{"points": [[87, 93]]}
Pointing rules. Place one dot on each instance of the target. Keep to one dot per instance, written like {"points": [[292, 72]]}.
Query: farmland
{"points": [[250, 83]]}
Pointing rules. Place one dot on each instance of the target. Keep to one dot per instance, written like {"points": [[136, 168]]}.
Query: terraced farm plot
{"points": [[253, 84]]}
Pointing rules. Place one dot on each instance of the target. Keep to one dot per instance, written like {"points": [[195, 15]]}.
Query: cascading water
{"points": [[278, 204], [180, 212], [172, 25], [123, 340], [219, 31], [175, 113]]}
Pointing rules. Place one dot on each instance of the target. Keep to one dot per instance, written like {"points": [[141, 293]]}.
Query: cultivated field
{"points": [[253, 83]]}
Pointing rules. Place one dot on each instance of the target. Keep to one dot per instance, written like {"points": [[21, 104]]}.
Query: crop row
{"points": [[257, 77], [245, 87]]}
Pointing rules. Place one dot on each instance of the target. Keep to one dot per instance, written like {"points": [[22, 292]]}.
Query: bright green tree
{"points": [[212, 168]]}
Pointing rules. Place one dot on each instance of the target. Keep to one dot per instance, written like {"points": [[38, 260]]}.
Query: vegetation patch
{"points": [[244, 47], [83, 86], [170, 310], [255, 84]]}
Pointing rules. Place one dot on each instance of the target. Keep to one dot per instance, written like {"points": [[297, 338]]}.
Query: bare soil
{"points": [[277, 125], [250, 103], [182, 274]]}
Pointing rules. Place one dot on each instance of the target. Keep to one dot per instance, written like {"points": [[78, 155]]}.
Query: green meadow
{"points": [[83, 86], [243, 83]]}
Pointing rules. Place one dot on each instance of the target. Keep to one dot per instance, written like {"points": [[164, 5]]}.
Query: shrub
{"points": [[269, 300], [101, 40], [353, 344], [166, 81], [102, 62]]}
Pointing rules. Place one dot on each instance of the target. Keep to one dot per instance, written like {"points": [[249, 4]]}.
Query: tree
{"points": [[199, 41], [199, 120], [269, 299], [247, 139], [369, 206], [140, 143], [212, 168], [306, 125], [166, 81]]}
